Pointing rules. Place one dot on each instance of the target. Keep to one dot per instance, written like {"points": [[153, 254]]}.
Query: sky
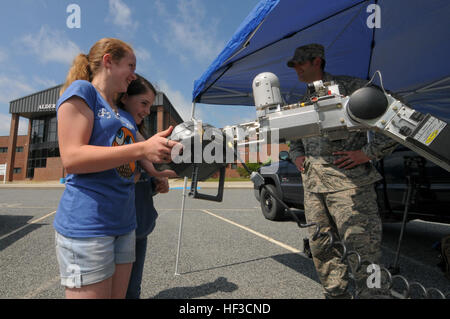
{"points": [[175, 41]]}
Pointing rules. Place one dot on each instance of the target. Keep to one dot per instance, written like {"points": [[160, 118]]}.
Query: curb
{"points": [[172, 185]]}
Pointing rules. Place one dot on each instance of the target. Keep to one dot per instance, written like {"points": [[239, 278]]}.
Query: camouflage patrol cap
{"points": [[307, 52]]}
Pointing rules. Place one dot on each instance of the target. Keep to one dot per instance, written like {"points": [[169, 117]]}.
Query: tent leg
{"points": [[192, 110], [181, 225], [180, 232], [395, 269]]}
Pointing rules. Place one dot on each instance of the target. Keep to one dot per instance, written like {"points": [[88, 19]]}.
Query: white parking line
{"points": [[197, 209], [274, 241], [30, 223]]}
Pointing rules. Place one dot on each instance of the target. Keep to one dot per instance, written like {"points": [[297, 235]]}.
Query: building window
{"points": [[44, 142], [3, 150], [38, 158], [52, 131], [37, 131], [44, 129], [17, 170], [19, 149]]}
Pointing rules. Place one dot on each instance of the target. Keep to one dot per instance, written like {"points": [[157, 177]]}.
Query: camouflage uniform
{"points": [[342, 200]]}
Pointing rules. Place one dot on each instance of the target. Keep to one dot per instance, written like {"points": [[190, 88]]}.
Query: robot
{"points": [[328, 113]]}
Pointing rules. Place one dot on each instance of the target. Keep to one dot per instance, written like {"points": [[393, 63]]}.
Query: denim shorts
{"points": [[86, 261]]}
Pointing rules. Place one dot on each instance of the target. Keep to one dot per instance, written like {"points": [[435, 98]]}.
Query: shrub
{"points": [[253, 167]]}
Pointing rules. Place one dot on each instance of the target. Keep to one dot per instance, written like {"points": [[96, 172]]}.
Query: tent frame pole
{"points": [[192, 110], [183, 201], [180, 231]]}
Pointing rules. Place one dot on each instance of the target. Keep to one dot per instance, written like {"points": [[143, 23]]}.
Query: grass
{"points": [[227, 179], [230, 179]]}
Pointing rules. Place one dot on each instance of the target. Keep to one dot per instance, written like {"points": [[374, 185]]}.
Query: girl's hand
{"points": [[162, 185], [167, 173], [157, 149]]}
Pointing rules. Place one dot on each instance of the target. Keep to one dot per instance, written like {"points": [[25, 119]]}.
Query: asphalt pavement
{"points": [[227, 250]]}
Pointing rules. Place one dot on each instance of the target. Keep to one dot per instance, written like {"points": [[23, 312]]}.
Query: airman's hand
{"points": [[351, 159], [299, 161]]}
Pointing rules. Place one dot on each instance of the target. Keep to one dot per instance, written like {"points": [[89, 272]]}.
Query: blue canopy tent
{"points": [[407, 40]]}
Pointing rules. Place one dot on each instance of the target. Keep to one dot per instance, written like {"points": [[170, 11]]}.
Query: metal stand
{"points": [[180, 232], [395, 269], [415, 172]]}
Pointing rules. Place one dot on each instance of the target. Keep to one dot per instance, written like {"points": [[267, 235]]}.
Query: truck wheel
{"points": [[270, 207]]}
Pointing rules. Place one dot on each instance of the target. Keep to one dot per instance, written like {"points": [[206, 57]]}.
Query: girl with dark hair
{"points": [[137, 101]]}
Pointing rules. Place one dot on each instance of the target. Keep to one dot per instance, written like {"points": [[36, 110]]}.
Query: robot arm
{"points": [[423, 133], [326, 114], [333, 115]]}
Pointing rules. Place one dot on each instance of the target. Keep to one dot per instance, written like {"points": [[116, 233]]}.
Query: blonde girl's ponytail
{"points": [[80, 70], [85, 67]]}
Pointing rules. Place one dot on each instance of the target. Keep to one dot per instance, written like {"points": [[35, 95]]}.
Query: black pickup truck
{"points": [[429, 187]]}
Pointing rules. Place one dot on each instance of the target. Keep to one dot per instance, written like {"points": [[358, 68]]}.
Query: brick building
{"points": [[20, 157]]}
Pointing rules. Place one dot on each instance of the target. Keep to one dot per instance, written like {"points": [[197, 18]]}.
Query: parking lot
{"points": [[228, 250]]}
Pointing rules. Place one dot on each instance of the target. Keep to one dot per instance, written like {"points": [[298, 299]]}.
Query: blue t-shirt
{"points": [[99, 204]]}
